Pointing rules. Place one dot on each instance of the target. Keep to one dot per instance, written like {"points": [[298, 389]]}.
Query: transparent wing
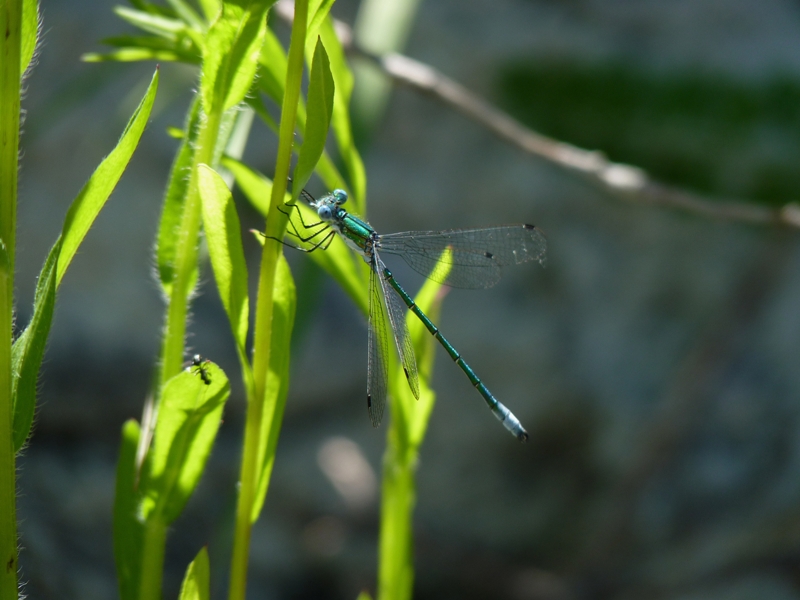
{"points": [[478, 255], [378, 348], [397, 317]]}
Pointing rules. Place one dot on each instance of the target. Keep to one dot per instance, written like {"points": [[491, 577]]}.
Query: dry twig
{"points": [[626, 181]]}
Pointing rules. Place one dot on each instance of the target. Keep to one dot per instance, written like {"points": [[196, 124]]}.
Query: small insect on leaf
{"points": [[199, 366]]}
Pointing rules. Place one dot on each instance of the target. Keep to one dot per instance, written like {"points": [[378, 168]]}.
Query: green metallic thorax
{"points": [[358, 233]]}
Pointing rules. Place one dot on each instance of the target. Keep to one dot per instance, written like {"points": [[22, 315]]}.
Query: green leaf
{"points": [[224, 238], [338, 260], [342, 127], [136, 55], [28, 349], [95, 192], [416, 413], [188, 14], [30, 32], [197, 582], [148, 47], [256, 187], [152, 23], [188, 419], [283, 313], [273, 65], [318, 9], [174, 199], [210, 8], [320, 107], [232, 50], [127, 527]]}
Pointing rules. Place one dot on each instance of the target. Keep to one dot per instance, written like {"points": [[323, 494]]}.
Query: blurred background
{"points": [[655, 361]]}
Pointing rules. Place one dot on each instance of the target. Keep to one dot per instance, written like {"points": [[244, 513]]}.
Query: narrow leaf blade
{"points": [[223, 234], [28, 349], [232, 50], [30, 31], [159, 25], [95, 192], [342, 127], [338, 261], [414, 413], [320, 107]]}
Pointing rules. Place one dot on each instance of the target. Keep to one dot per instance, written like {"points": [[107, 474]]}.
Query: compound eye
{"points": [[324, 212], [340, 195]]}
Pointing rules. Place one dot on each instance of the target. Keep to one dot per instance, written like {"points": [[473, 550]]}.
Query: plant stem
{"points": [[186, 253], [398, 496], [155, 535], [10, 42], [275, 227], [153, 545]]}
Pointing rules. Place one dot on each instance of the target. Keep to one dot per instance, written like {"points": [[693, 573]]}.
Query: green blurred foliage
{"points": [[706, 131]]}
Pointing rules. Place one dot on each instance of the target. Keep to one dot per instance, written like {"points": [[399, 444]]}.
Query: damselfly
{"points": [[475, 260]]}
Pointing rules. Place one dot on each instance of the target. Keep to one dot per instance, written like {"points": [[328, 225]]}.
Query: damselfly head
{"points": [[340, 196], [324, 210]]}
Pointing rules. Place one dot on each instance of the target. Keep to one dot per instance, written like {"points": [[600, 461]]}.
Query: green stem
{"points": [[175, 333], [398, 497], [186, 254], [275, 227], [153, 545], [10, 43]]}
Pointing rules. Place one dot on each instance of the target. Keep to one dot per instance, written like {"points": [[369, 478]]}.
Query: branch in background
{"points": [[626, 181], [629, 182]]}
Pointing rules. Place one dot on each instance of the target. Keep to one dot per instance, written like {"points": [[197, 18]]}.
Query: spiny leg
{"points": [[322, 244], [305, 226]]}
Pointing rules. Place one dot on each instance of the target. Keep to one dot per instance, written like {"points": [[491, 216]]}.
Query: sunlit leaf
{"points": [[197, 582], [91, 199], [189, 415], [28, 349], [338, 260], [283, 313], [318, 11], [187, 13], [320, 107], [416, 413], [342, 127], [233, 47], [30, 31], [210, 8], [224, 238], [157, 24], [136, 55]]}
